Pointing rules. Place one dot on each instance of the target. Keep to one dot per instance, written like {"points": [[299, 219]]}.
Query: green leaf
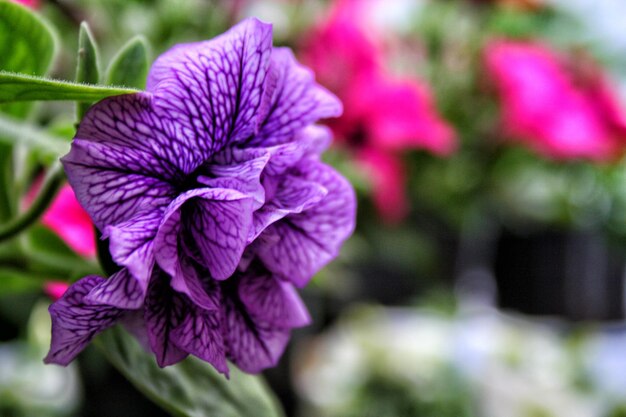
{"points": [[15, 281], [131, 64], [192, 388], [15, 131], [28, 46], [87, 67], [21, 87]]}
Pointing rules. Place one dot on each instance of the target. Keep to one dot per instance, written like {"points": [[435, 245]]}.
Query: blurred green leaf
{"points": [[131, 64], [192, 388], [16, 280], [16, 131], [87, 67], [29, 46], [21, 87]]}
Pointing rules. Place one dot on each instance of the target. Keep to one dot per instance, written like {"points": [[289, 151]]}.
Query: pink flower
{"points": [[68, 220], [71, 223], [33, 4], [388, 177], [545, 107], [55, 289], [384, 114]]}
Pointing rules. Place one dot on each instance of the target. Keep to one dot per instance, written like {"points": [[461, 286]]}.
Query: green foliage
{"points": [[382, 396], [16, 280], [20, 132], [131, 64], [20, 87], [191, 388], [31, 49], [87, 67]]}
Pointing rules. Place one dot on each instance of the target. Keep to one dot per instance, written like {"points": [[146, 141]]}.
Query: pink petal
{"points": [[388, 177], [544, 108], [55, 289], [71, 223], [33, 4]]}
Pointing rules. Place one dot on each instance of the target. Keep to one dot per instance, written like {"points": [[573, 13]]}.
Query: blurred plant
{"points": [[554, 112], [385, 114], [27, 386], [389, 362]]}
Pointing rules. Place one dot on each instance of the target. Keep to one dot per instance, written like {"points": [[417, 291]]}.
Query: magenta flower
{"points": [[546, 108], [385, 115], [55, 289], [71, 223], [67, 219], [210, 189], [33, 4]]}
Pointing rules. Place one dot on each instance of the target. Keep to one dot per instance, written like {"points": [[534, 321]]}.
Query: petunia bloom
{"points": [[210, 188], [385, 114], [547, 108]]}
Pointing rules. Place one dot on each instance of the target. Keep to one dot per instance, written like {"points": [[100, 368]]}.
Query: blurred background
{"points": [[486, 277]]}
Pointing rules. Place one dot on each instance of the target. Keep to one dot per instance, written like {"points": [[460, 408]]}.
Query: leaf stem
{"points": [[51, 184]]}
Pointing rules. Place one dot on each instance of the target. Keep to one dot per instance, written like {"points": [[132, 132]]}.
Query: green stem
{"points": [[51, 184]]}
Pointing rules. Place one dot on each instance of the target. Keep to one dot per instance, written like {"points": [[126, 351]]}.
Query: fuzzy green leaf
{"points": [[131, 64], [21, 87], [28, 45], [191, 388], [87, 67]]}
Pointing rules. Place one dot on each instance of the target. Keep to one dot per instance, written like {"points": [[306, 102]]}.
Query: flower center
{"points": [[190, 181]]}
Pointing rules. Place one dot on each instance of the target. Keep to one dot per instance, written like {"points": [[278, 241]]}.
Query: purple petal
{"points": [[124, 159], [272, 300], [215, 87], [216, 220], [292, 195], [240, 170], [200, 334], [309, 240], [121, 290], [196, 282], [135, 324], [131, 243], [176, 259], [310, 141], [251, 345], [75, 323], [297, 100], [164, 311]]}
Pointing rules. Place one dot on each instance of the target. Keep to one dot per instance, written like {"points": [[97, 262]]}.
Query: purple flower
{"points": [[211, 191]]}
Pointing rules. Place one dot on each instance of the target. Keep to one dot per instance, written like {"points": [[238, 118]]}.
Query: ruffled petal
{"points": [[309, 240], [297, 100], [121, 290], [271, 300], [217, 220], [75, 322], [124, 159], [251, 344], [310, 141], [131, 243], [292, 195], [164, 311], [240, 170], [200, 334], [215, 88]]}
